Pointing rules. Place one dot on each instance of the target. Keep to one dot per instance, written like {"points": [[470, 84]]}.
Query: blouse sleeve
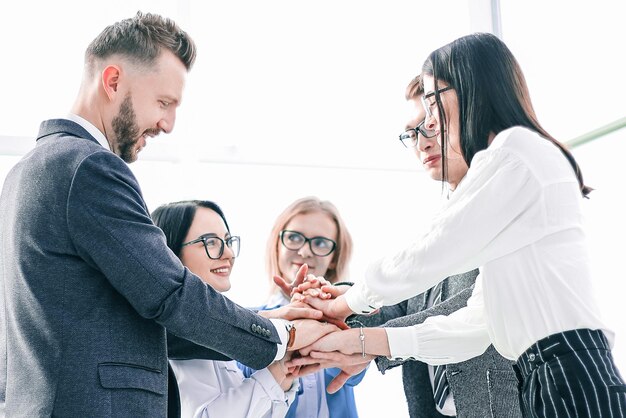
{"points": [[444, 339], [492, 212]]}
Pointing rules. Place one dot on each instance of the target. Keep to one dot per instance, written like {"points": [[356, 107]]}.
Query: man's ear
{"points": [[110, 80]]}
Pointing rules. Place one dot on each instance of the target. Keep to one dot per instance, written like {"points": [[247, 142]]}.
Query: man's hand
{"points": [[308, 331], [293, 310], [318, 287], [317, 360], [345, 342], [335, 291], [334, 309], [312, 286], [349, 342], [341, 379], [350, 365]]}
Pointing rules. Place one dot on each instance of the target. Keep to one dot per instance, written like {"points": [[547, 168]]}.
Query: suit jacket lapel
{"points": [[444, 290]]}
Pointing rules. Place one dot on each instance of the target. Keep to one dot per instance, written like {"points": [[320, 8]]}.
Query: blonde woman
{"points": [[311, 231]]}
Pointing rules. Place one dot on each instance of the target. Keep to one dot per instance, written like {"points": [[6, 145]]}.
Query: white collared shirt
{"points": [[89, 127], [517, 215], [219, 389]]}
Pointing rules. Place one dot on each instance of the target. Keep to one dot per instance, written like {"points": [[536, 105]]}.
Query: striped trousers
{"points": [[571, 374]]}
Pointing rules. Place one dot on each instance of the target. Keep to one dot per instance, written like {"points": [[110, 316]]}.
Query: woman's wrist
{"points": [[287, 384], [377, 343], [357, 347], [342, 308], [364, 341], [277, 369]]}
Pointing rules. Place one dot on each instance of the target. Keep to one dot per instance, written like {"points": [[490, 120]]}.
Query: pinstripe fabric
{"points": [[571, 374], [441, 387]]}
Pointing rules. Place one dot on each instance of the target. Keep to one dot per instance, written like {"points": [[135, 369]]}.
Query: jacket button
{"points": [[531, 357]]}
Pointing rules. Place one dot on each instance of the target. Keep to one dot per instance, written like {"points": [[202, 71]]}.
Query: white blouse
{"points": [[517, 216], [219, 389]]}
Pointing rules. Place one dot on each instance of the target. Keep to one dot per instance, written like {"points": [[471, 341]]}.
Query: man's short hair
{"points": [[141, 39], [415, 88]]}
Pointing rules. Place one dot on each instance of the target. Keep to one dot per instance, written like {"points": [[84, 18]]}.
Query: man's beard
{"points": [[126, 131]]}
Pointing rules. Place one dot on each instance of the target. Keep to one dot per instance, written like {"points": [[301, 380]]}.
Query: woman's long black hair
{"points": [[492, 94]]}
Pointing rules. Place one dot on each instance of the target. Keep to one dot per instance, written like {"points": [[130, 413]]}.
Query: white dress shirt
{"points": [[219, 389], [89, 127], [517, 216]]}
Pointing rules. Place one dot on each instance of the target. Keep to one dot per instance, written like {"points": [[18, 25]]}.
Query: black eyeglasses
{"points": [[214, 245], [320, 246], [428, 104], [409, 137]]}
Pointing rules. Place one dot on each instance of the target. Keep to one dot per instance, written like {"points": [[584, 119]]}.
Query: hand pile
{"points": [[318, 311]]}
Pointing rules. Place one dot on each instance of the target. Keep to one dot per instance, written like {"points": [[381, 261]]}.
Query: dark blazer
{"points": [[483, 387], [88, 287]]}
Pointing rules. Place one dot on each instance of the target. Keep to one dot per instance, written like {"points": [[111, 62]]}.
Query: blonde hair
{"points": [[341, 255]]}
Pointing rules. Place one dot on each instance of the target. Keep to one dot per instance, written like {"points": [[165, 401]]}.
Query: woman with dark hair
{"points": [[198, 233], [517, 215]]}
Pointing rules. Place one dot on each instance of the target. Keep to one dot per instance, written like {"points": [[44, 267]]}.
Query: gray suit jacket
{"points": [[88, 287], [483, 387]]}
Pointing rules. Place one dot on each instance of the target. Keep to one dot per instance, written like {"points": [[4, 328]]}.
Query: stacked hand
{"points": [[350, 365], [283, 374], [336, 348], [309, 291]]}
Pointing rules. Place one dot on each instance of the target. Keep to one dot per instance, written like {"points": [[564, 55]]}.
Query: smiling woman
{"points": [[198, 233]]}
